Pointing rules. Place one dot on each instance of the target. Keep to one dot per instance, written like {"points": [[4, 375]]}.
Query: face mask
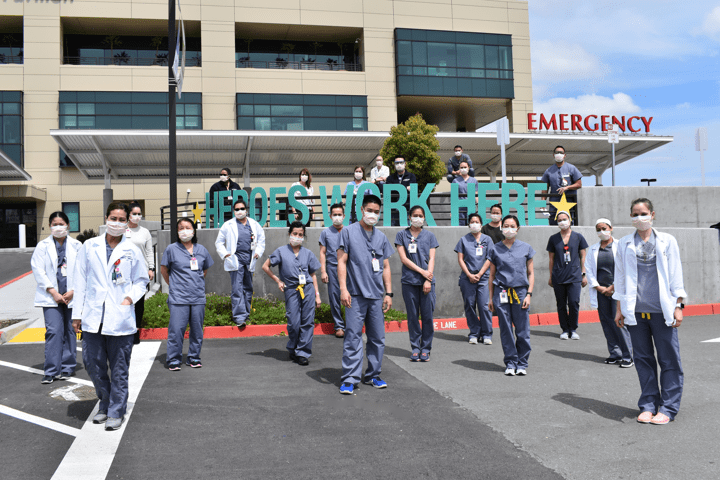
{"points": [[59, 231], [458, 154], [509, 232], [135, 218], [370, 218], [185, 235], [115, 229], [495, 218], [642, 222], [604, 235], [400, 167], [295, 241], [224, 178], [564, 224], [303, 178], [417, 222], [463, 171], [337, 220], [240, 214], [559, 157], [379, 164], [358, 175], [475, 227]]}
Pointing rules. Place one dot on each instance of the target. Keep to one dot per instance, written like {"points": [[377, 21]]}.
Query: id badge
{"points": [[252, 246], [567, 257], [128, 233], [63, 270], [503, 296], [376, 265], [479, 251], [193, 264], [412, 248], [119, 279], [301, 279]]}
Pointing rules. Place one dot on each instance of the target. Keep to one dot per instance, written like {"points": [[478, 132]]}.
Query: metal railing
{"points": [[119, 59], [11, 59], [282, 64]]}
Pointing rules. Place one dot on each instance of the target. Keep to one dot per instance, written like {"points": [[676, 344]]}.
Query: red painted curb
{"points": [[16, 279], [536, 320]]}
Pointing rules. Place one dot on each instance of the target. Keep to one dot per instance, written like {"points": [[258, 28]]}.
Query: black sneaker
{"points": [[303, 361], [48, 379], [612, 361], [627, 364]]}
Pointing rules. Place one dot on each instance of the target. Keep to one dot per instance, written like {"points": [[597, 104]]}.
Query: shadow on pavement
{"points": [[576, 356], [162, 359], [81, 409], [597, 407], [327, 376], [481, 366], [450, 336], [276, 353], [397, 352], [544, 333]]}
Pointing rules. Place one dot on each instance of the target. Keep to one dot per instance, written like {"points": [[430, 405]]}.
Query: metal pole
{"points": [[502, 161], [613, 166], [702, 167], [172, 127]]}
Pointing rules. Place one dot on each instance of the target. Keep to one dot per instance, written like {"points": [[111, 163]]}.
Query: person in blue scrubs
{"points": [[53, 264], [416, 248], [363, 268], [329, 240], [567, 251], [184, 266], [472, 251], [463, 180], [297, 267], [512, 279], [561, 178], [649, 290]]}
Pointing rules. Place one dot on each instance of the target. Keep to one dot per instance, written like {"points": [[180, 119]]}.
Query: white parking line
{"points": [[40, 372], [93, 451], [58, 427], [714, 340]]}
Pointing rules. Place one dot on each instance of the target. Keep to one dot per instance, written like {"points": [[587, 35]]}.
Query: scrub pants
{"points": [[334, 294], [647, 332], [241, 296], [618, 339], [60, 341], [300, 314], [515, 347], [475, 299], [367, 311], [421, 335], [180, 316], [567, 297], [99, 352]]}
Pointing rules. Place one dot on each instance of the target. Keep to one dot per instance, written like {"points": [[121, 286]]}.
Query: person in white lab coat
{"points": [[649, 290], [110, 276], [53, 263], [239, 244]]}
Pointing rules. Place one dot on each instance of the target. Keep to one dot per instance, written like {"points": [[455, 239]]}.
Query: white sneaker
{"points": [[510, 372], [487, 341], [473, 341], [521, 371], [575, 336], [564, 336]]}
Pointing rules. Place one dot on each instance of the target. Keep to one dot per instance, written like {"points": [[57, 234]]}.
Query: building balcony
{"points": [[284, 64], [123, 59]]}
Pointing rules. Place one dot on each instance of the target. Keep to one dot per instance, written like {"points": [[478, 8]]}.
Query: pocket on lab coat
{"points": [[231, 263]]}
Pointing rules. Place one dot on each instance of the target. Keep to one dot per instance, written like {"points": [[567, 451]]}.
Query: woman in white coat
{"points": [[53, 264], [110, 276], [600, 268], [239, 244], [650, 291]]}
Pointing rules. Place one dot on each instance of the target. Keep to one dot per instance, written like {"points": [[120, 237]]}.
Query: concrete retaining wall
{"points": [[699, 249]]}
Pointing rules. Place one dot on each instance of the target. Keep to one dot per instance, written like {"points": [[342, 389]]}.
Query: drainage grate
{"points": [[74, 393]]}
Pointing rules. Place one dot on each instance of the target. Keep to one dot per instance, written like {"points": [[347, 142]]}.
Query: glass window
{"points": [[312, 111], [286, 110], [72, 210], [505, 58], [419, 50], [262, 110], [435, 86], [192, 109], [320, 124], [287, 123], [86, 122], [11, 108], [359, 112], [471, 56], [11, 129], [404, 53], [245, 109], [262, 123], [441, 54], [68, 109], [491, 57], [246, 123], [493, 88], [86, 109]]}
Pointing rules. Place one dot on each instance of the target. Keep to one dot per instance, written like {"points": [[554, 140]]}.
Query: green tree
{"points": [[415, 140]]}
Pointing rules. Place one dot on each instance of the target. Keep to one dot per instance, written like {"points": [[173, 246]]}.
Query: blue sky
{"points": [[651, 58]]}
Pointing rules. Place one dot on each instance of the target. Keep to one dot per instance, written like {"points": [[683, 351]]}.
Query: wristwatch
{"points": [[583, 274], [681, 306], [529, 293], [389, 295]]}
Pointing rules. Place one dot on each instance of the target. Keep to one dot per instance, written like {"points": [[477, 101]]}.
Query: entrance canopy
{"points": [[11, 171], [202, 153]]}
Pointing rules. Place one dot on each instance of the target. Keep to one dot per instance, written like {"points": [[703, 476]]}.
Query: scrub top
{"points": [[62, 260], [355, 187], [330, 239], [361, 279], [648, 286], [557, 177], [605, 266], [424, 241], [473, 255], [245, 238], [511, 263], [462, 184], [563, 272], [306, 263], [493, 232], [187, 286]]}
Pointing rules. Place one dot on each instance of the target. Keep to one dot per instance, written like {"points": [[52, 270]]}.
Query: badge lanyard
{"points": [[193, 260], [567, 254], [63, 267], [117, 277], [412, 246]]}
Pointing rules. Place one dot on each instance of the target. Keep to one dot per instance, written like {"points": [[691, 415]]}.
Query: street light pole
{"points": [[172, 126]]}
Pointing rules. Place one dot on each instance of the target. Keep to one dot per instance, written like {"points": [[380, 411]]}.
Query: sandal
{"points": [[660, 419], [415, 356], [425, 357], [645, 417]]}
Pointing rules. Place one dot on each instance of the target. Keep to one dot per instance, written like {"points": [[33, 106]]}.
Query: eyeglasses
{"points": [[239, 209]]}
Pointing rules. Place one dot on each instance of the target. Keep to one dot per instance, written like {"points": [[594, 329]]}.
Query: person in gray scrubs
{"points": [[650, 291]]}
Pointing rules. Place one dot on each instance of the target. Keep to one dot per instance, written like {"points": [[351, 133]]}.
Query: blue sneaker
{"points": [[347, 388], [376, 382]]}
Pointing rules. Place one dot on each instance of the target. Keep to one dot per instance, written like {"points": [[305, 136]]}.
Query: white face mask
{"points": [[379, 164], [564, 224], [358, 175], [475, 227], [295, 241], [59, 231], [241, 214], [458, 154], [559, 157], [509, 232], [135, 218], [400, 167], [185, 235], [495, 218], [370, 218], [417, 222], [115, 229], [464, 171], [604, 235], [303, 178], [224, 178], [642, 222], [337, 220]]}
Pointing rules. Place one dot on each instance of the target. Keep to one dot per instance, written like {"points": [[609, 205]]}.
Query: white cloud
{"points": [[618, 104], [560, 62], [711, 24]]}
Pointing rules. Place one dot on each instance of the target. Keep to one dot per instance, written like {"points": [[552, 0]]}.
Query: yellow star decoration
{"points": [[562, 206], [197, 211]]}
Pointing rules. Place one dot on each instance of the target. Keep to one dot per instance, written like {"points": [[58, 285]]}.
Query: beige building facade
{"points": [[366, 32]]}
